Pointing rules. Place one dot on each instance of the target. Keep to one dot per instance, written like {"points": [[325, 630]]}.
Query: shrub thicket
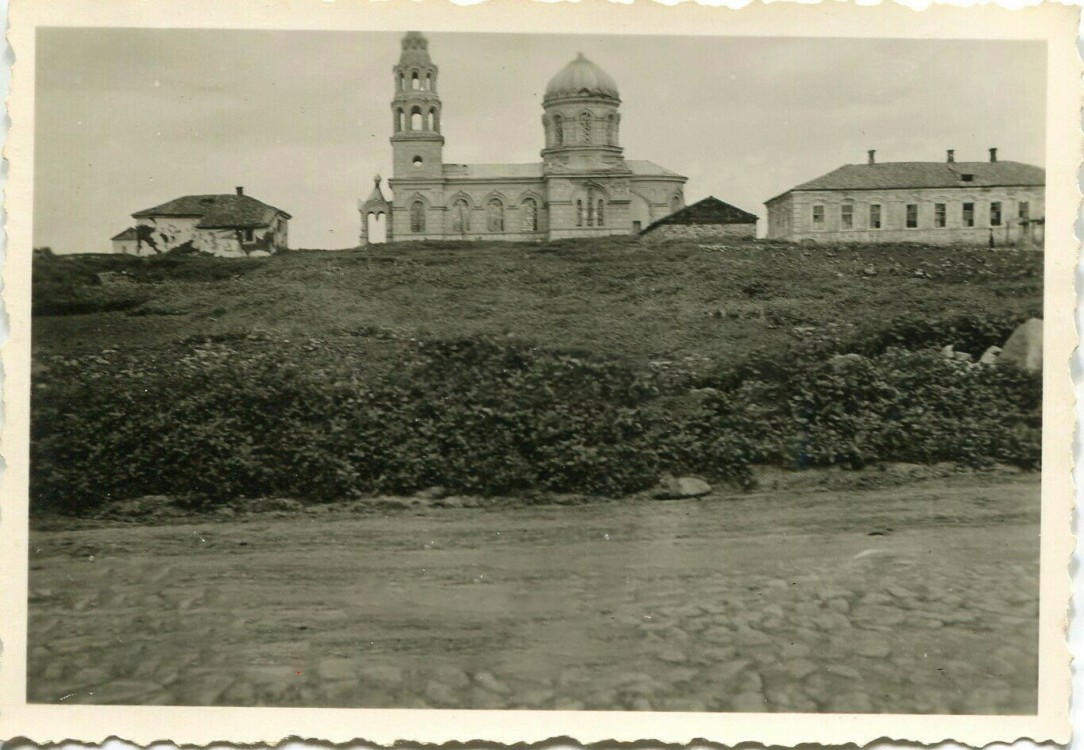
{"points": [[217, 419]]}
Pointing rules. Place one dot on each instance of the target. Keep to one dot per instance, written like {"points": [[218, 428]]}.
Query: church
{"points": [[583, 187]]}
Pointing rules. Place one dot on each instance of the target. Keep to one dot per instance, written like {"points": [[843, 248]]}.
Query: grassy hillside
{"points": [[508, 369], [618, 298]]}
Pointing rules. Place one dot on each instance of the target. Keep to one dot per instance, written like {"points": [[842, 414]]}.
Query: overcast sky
{"points": [[130, 118]]}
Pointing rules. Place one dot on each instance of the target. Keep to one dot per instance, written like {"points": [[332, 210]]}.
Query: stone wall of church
{"points": [[497, 210]]}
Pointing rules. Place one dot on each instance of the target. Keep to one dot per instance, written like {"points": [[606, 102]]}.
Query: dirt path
{"points": [[690, 605]]}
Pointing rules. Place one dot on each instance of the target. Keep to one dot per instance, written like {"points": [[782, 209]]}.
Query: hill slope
{"points": [[610, 297]]}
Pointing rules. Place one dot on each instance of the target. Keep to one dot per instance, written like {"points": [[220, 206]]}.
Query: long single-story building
{"points": [[232, 225], [973, 202]]}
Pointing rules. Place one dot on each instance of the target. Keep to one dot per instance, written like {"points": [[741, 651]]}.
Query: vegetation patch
{"points": [[495, 370]]}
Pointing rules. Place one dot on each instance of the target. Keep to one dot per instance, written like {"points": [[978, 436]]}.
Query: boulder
{"points": [[947, 352], [990, 356], [675, 488], [1025, 347]]}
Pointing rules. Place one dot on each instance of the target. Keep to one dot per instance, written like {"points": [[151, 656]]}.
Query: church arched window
{"points": [[399, 120], [416, 120], [402, 81], [461, 215], [429, 81], [585, 127], [579, 213], [611, 127], [530, 215], [417, 217], [495, 215], [415, 82], [598, 214], [558, 130], [434, 120]]}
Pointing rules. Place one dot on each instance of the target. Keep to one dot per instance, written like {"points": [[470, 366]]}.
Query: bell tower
{"points": [[417, 145]]}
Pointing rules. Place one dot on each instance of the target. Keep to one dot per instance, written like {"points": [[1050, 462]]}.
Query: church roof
{"points": [[581, 77], [710, 210], [927, 174], [228, 211], [645, 168], [415, 50]]}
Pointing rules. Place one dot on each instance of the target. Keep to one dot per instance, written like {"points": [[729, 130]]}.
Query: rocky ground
{"points": [[921, 598]]}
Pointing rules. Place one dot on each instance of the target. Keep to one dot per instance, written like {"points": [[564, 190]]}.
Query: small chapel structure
{"points": [[583, 187]]}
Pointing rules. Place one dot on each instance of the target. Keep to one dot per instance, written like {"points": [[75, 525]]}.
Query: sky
{"points": [[130, 118]]}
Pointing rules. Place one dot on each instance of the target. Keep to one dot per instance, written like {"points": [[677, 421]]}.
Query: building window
{"points": [[558, 130], [585, 127], [399, 120], [612, 129], [636, 226], [598, 214], [530, 215], [969, 214], [461, 216], [1023, 211], [912, 216], [428, 81], [846, 216], [675, 204], [414, 82], [417, 217], [818, 216], [416, 122], [875, 216], [939, 215], [995, 213], [417, 162], [579, 213], [248, 235], [495, 215]]}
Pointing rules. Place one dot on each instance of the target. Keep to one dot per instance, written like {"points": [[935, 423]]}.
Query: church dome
{"points": [[581, 77]]}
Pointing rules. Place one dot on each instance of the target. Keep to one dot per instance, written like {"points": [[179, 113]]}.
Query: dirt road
{"points": [[762, 603]]}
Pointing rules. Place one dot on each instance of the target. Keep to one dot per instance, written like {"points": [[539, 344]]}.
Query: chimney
{"points": [[950, 155], [872, 156], [240, 190], [993, 155]]}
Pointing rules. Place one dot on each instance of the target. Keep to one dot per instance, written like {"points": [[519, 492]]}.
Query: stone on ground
{"points": [[1025, 347], [675, 488]]}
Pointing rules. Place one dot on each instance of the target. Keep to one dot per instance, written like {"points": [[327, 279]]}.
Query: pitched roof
{"points": [[710, 210], [228, 211], [926, 174], [642, 167], [127, 234]]}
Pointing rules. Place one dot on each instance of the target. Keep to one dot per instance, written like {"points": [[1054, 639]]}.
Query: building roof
{"points": [[710, 210], [127, 234], [415, 50], [926, 174], [644, 168], [581, 77], [228, 211]]}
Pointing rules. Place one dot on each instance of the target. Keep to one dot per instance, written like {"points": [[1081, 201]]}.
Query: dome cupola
{"points": [[581, 78]]}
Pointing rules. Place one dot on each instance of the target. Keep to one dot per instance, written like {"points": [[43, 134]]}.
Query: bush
{"points": [[243, 415], [914, 406], [218, 421]]}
